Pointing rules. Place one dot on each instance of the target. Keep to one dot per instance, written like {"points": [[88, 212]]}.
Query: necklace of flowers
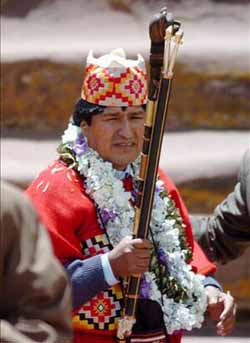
{"points": [[180, 292]]}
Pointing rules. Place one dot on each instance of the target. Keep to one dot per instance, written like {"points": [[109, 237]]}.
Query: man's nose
{"points": [[126, 129]]}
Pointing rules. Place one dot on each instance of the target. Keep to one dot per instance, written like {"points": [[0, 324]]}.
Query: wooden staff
{"points": [[164, 32]]}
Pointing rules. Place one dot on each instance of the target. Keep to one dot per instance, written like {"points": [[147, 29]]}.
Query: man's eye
{"points": [[110, 118], [137, 116]]}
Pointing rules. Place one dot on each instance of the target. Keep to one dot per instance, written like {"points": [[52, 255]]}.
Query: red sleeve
{"points": [[200, 262], [58, 198]]}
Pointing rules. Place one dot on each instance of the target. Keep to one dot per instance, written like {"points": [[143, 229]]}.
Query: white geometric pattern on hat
{"points": [[116, 59]]}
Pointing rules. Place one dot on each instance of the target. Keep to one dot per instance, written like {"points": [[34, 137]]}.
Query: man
{"points": [[35, 302], [86, 200], [226, 234]]}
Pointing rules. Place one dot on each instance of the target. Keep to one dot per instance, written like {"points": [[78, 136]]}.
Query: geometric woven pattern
{"points": [[102, 312], [115, 86], [96, 245]]}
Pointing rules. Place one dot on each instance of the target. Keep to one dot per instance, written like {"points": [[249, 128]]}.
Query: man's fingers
{"points": [[222, 308], [142, 263], [139, 243], [213, 295], [224, 328], [227, 323], [215, 307], [142, 253], [215, 301], [227, 317], [138, 270], [229, 306]]}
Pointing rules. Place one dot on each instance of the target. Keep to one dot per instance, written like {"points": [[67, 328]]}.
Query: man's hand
{"points": [[130, 257], [222, 309]]}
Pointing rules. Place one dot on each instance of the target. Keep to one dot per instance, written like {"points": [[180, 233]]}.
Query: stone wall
{"points": [[40, 95]]}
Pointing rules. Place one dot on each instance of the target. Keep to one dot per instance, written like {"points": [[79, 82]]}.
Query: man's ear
{"points": [[83, 124]]}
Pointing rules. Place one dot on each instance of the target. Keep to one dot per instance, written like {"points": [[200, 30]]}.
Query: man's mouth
{"points": [[125, 145]]}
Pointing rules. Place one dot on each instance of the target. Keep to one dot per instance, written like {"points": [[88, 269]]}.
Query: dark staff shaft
{"points": [[145, 195]]}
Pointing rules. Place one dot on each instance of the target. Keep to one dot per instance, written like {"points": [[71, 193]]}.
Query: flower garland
{"points": [[182, 298]]}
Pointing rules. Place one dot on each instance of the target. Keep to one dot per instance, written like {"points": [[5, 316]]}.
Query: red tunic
{"points": [[70, 216]]}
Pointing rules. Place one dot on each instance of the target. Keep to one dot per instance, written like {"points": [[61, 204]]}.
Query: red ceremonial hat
{"points": [[114, 80]]}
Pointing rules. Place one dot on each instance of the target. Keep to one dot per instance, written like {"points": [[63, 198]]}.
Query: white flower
{"points": [[71, 133]]}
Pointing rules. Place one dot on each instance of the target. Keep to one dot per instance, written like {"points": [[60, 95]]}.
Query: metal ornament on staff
{"points": [[166, 36]]}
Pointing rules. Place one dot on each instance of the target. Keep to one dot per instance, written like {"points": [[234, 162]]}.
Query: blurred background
{"points": [[44, 44]]}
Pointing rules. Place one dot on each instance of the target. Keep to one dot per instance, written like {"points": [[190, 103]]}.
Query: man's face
{"points": [[116, 135]]}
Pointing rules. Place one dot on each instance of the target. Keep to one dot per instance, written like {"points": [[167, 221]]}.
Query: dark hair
{"points": [[85, 110]]}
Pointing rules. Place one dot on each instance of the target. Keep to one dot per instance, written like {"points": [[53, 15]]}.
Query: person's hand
{"points": [[130, 257], [222, 309], [228, 315]]}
